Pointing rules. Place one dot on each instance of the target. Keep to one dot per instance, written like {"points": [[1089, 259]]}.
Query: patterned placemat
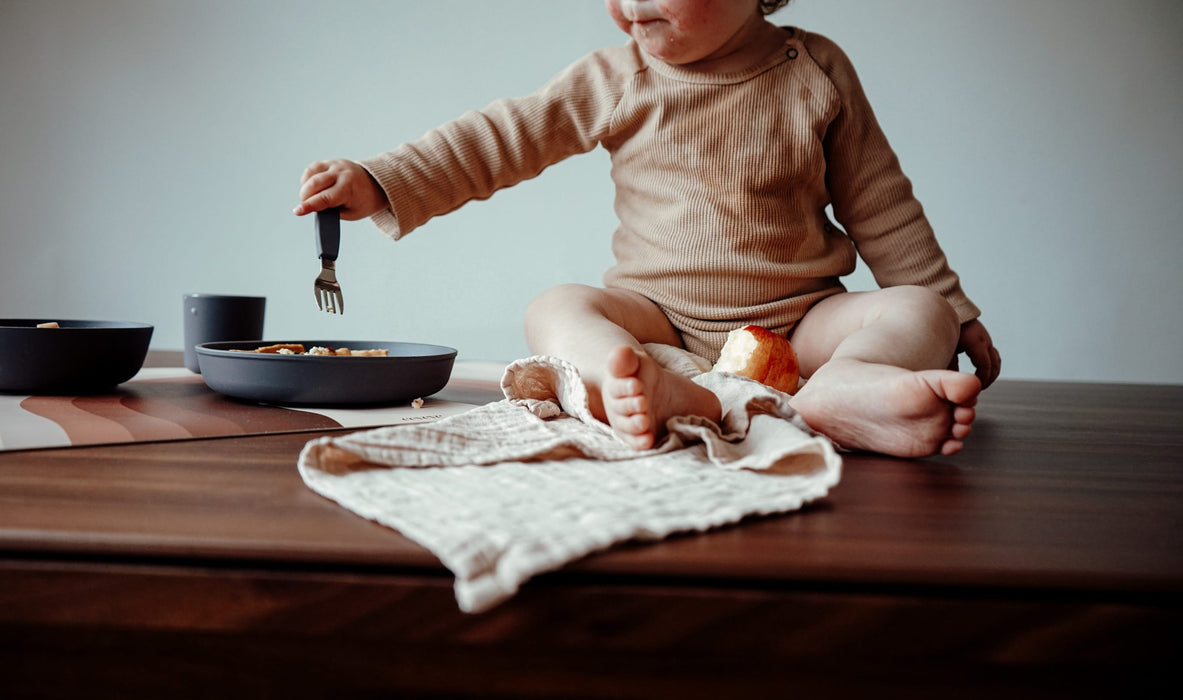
{"points": [[168, 403]]}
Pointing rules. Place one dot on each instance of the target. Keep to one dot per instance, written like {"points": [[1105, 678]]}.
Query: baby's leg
{"points": [[601, 332], [876, 363]]}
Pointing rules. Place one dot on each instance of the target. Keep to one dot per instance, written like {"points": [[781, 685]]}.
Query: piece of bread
{"points": [[318, 350], [758, 353], [278, 349]]}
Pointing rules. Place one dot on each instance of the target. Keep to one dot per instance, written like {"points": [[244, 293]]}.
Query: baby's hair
{"points": [[769, 6]]}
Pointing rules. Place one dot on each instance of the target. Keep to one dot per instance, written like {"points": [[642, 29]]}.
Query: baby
{"points": [[729, 138]]}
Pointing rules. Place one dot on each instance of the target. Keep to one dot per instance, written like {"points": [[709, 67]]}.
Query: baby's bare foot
{"points": [[640, 395], [886, 409]]}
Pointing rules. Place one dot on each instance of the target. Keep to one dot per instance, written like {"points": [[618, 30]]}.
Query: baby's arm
{"points": [[340, 183], [976, 343], [872, 197]]}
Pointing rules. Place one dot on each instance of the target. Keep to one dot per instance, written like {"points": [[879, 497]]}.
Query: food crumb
{"points": [[417, 403], [320, 350], [48, 324]]}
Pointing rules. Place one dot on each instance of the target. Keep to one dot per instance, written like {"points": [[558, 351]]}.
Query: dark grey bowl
{"points": [[410, 371], [80, 357]]}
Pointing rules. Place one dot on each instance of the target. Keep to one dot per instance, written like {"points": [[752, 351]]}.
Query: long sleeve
{"points": [[873, 199], [509, 141], [722, 181]]}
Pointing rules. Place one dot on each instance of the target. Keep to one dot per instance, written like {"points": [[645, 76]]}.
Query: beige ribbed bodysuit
{"points": [[722, 181]]}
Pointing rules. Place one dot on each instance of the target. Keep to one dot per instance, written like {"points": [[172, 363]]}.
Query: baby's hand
{"points": [[976, 343], [340, 183]]}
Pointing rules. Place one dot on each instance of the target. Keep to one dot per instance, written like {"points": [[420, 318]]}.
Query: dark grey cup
{"points": [[216, 317]]}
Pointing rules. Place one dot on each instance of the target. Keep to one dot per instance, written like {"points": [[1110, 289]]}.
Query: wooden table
{"points": [[1046, 560]]}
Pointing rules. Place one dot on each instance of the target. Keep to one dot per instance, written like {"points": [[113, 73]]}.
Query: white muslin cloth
{"points": [[525, 485]]}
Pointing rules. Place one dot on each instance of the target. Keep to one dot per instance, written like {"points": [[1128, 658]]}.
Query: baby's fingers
{"points": [[318, 183], [988, 363], [319, 166], [317, 202], [995, 368], [319, 191], [340, 183]]}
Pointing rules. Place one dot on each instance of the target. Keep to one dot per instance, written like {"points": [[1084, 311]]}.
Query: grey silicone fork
{"points": [[328, 241]]}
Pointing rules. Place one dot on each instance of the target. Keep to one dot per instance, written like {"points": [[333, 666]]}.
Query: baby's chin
{"points": [[664, 49]]}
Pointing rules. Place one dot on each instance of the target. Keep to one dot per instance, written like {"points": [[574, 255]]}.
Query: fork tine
{"points": [[328, 238], [329, 297]]}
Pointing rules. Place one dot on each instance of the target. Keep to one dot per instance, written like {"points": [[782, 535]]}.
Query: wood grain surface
{"points": [[1046, 560]]}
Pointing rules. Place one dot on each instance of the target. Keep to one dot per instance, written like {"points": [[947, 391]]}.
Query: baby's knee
{"points": [[927, 306], [559, 301]]}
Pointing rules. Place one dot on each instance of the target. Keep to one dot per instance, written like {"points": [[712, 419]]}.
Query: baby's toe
{"points": [[639, 441], [630, 405], [630, 388], [634, 424], [623, 362], [951, 447]]}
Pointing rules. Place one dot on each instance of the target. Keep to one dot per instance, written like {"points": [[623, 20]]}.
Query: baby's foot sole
{"points": [[639, 396], [889, 410]]}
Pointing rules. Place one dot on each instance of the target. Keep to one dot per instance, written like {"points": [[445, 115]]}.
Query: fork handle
{"points": [[328, 233]]}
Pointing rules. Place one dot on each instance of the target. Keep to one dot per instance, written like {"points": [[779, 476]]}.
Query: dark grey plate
{"points": [[410, 371], [80, 357]]}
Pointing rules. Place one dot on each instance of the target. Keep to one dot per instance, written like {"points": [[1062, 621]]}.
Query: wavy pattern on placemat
{"points": [[152, 409], [173, 404]]}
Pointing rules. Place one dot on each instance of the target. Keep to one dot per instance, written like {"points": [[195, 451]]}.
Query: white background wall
{"points": [[150, 148]]}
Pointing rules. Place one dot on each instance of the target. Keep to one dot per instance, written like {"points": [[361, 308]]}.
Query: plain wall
{"points": [[152, 148]]}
